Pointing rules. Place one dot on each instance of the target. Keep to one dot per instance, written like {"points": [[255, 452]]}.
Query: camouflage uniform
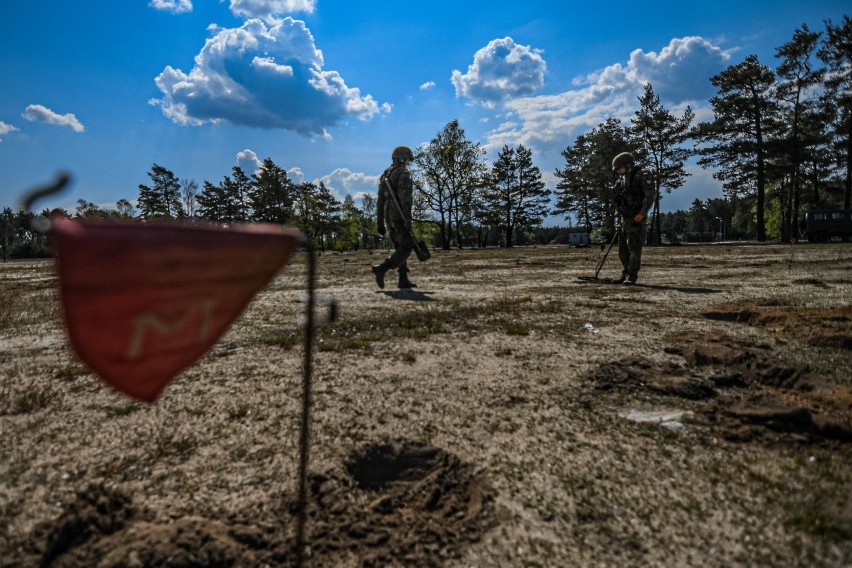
{"points": [[387, 214], [634, 194]]}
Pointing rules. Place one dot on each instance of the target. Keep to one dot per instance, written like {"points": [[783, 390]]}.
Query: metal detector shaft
{"points": [[606, 254]]}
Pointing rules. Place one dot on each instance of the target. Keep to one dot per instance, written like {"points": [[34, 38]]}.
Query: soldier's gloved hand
{"points": [[638, 218], [381, 229]]}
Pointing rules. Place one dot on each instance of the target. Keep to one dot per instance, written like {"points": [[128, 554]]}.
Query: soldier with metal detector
{"points": [[634, 194], [394, 208]]}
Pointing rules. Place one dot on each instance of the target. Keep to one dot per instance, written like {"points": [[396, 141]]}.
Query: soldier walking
{"points": [[634, 194], [395, 210]]}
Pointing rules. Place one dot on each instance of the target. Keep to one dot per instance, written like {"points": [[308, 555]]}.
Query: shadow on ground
{"points": [[683, 289], [409, 295]]}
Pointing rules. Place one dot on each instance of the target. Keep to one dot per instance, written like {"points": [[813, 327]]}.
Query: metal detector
{"points": [[601, 262]]}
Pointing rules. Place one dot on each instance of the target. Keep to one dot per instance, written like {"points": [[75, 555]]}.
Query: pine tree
{"points": [[662, 136], [836, 53], [575, 192], [739, 139], [796, 90], [326, 215], [162, 198], [237, 191], [211, 202], [587, 180], [271, 194], [517, 195]]}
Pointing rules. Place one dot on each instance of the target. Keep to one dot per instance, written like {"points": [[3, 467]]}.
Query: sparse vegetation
{"points": [[528, 379], [820, 524]]}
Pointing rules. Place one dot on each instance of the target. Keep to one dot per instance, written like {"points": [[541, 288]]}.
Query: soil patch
{"points": [[755, 364], [398, 503], [744, 390], [605, 441], [821, 327], [638, 373]]}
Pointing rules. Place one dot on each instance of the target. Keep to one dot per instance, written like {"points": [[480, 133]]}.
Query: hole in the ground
{"points": [[376, 466]]}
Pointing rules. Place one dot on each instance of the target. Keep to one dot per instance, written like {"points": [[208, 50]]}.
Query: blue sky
{"points": [[326, 88]]}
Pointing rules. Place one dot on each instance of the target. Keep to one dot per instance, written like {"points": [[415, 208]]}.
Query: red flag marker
{"points": [[143, 301]]}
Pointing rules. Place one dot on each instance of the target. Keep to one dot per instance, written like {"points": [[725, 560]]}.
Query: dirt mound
{"points": [[185, 543], [97, 511], [755, 413], [745, 391], [639, 373], [752, 363], [399, 503], [393, 504], [821, 327]]}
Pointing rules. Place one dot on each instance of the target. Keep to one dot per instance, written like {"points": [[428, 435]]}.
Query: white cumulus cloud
{"points": [[680, 71], [427, 85], [172, 6], [679, 74], [500, 71], [342, 182], [264, 77], [296, 174], [270, 10], [40, 113], [6, 129], [248, 161]]}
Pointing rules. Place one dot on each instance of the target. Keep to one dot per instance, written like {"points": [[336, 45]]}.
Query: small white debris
{"points": [[669, 419], [591, 328], [673, 425]]}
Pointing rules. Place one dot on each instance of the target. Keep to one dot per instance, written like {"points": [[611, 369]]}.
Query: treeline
{"points": [[780, 143], [461, 199]]}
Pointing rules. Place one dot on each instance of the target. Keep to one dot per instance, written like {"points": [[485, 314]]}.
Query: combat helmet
{"points": [[623, 160], [401, 153]]}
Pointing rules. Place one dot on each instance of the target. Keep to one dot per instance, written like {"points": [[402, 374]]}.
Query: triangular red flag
{"points": [[143, 301]]}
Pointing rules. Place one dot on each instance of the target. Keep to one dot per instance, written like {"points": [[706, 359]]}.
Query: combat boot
{"points": [[404, 282], [379, 271]]}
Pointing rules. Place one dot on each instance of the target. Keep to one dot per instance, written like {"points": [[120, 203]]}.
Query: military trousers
{"points": [[403, 247], [631, 237]]}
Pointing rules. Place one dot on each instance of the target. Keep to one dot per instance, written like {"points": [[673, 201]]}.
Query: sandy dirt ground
{"points": [[509, 411]]}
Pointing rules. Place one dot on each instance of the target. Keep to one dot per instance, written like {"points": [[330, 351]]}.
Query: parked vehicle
{"points": [[578, 239], [823, 225]]}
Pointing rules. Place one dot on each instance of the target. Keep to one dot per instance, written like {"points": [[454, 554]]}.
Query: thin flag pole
{"points": [[62, 180], [305, 433]]}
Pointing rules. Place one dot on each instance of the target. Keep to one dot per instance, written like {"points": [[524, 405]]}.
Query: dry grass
{"points": [[491, 358]]}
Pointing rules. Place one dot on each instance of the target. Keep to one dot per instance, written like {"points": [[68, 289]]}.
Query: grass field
{"points": [[509, 411]]}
